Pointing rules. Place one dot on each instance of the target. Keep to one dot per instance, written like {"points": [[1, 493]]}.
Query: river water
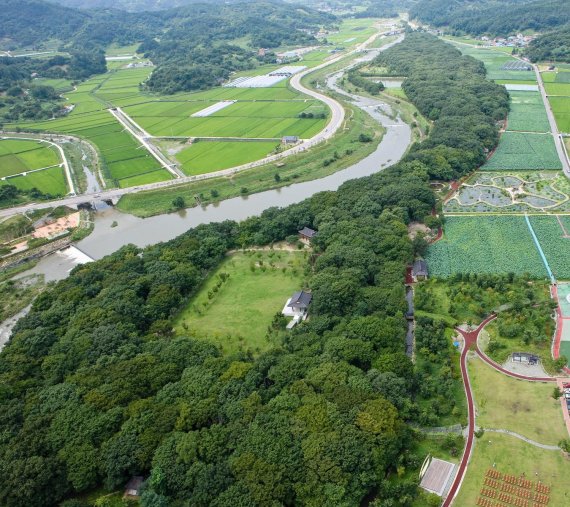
{"points": [[126, 229]]}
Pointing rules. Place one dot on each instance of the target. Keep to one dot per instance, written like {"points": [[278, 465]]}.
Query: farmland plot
{"points": [[524, 152], [489, 244], [49, 181], [552, 233], [527, 113], [561, 108], [17, 156]]}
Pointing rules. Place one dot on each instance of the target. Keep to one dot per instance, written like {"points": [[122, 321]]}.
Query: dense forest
{"points": [[95, 387], [488, 17], [451, 90], [554, 46]]}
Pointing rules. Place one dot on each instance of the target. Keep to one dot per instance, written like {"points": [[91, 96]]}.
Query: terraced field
{"points": [[524, 152], [485, 244]]}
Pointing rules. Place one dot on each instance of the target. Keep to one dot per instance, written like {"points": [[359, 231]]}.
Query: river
{"points": [[114, 229]]}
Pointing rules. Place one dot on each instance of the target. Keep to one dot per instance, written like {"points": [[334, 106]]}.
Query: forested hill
{"points": [[133, 5], [554, 47], [493, 17], [94, 387]]}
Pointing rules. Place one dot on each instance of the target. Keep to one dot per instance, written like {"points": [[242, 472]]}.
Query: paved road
{"points": [[558, 140], [336, 121]]}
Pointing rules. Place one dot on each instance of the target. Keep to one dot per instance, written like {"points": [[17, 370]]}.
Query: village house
{"points": [[290, 139], [419, 270], [297, 307], [306, 235]]}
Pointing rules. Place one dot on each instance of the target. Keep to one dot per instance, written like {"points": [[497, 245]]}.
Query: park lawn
{"points": [[18, 156], [524, 152], [558, 89], [561, 109], [524, 407], [204, 157], [513, 456], [49, 181], [238, 315]]}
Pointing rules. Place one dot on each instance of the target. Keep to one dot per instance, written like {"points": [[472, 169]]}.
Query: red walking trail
{"points": [[470, 338]]}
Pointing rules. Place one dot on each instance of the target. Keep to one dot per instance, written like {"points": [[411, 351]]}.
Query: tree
{"points": [[179, 202]]}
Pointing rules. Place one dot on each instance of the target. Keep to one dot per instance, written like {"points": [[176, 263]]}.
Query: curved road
{"points": [[335, 122], [470, 339]]}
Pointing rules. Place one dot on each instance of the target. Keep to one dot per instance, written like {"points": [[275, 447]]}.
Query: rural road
{"points": [[336, 120]]}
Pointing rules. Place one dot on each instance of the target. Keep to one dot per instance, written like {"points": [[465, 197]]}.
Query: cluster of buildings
{"points": [[514, 41]]}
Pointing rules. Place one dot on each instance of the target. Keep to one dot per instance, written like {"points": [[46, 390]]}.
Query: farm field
{"points": [[208, 156], [485, 244], [17, 156], [498, 192], [527, 113], [532, 412], [562, 89], [494, 61], [513, 456], [524, 152], [50, 181], [553, 233], [241, 119], [561, 109], [239, 313]]}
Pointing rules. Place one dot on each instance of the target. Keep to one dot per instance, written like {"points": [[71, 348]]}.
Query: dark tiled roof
{"points": [[300, 299], [309, 233], [420, 268]]}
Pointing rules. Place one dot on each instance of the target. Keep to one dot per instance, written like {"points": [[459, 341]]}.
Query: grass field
{"points": [[239, 313], [485, 244], [527, 113], [508, 192], [205, 156], [561, 108], [524, 152], [50, 181], [511, 455], [17, 156], [526, 408]]}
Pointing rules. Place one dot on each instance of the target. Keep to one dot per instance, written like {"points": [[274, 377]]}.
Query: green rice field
{"points": [[208, 156], [17, 156], [524, 152], [562, 89], [527, 113], [49, 181], [485, 244], [561, 108]]}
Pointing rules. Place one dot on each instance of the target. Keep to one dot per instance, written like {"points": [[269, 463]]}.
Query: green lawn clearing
{"points": [[527, 408], [513, 456], [237, 315]]}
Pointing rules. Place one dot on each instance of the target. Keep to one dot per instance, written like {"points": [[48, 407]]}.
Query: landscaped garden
{"points": [[238, 303]]}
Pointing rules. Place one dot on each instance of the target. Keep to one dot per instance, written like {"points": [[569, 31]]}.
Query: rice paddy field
{"points": [[561, 108], [527, 113], [18, 156], [49, 181], [485, 244], [524, 152], [207, 156]]}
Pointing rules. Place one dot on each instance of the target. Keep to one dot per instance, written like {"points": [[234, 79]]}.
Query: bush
{"points": [[365, 138], [178, 202]]}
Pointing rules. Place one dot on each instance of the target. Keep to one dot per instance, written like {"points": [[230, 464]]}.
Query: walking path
{"points": [[527, 440]]}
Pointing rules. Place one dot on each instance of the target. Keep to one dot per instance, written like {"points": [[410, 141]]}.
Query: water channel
{"points": [[126, 229]]}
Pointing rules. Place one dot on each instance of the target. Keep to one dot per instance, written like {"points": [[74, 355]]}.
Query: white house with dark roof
{"points": [[297, 306]]}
